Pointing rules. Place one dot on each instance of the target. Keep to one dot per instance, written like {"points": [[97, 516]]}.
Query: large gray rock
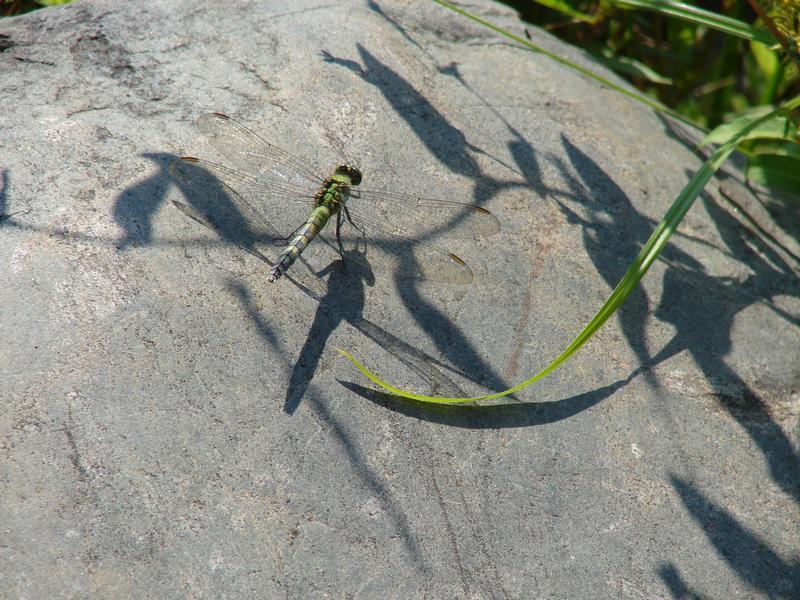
{"points": [[173, 425]]}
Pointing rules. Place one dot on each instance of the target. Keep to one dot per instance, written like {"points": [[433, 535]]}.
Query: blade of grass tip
{"points": [[567, 63], [658, 240]]}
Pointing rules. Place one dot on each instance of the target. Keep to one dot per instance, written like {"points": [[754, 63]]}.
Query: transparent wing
{"points": [[222, 209], [416, 216], [268, 169], [218, 206], [252, 153], [385, 250], [234, 218], [272, 192], [284, 206]]}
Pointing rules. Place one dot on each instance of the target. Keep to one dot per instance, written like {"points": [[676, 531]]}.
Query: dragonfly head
{"points": [[347, 174]]}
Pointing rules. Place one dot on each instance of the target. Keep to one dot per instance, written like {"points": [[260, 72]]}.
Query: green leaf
{"points": [[651, 250], [778, 126], [627, 65], [693, 14], [565, 8], [777, 147], [767, 60], [775, 171]]}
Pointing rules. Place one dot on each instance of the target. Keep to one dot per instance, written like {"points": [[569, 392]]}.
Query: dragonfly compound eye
{"points": [[351, 172]]}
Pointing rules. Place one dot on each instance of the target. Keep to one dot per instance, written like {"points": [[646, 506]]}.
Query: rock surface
{"points": [[174, 426]]}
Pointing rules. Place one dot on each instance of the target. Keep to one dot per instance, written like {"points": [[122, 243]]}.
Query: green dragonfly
{"points": [[272, 190]]}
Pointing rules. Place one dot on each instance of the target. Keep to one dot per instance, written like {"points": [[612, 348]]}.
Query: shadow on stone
{"points": [[702, 309], [344, 301], [752, 559], [488, 416], [677, 586], [449, 146], [135, 206], [341, 297], [5, 204]]}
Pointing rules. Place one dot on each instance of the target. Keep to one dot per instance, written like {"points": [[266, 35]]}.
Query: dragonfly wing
{"points": [[250, 152], [284, 206], [422, 217], [234, 218], [216, 205], [389, 251]]}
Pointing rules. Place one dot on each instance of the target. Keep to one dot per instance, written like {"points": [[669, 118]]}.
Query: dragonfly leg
{"points": [[282, 241], [359, 229], [362, 235], [339, 234]]}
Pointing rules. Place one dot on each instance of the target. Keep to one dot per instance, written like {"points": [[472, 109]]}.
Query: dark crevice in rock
{"points": [[6, 43]]}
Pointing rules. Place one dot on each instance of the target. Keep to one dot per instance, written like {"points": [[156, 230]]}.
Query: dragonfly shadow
{"points": [[135, 207], [208, 198], [340, 295], [343, 301], [679, 589], [211, 205], [355, 456], [4, 180], [378, 484]]}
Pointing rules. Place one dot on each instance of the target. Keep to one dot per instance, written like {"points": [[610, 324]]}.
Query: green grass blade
{"points": [[694, 14], [658, 240]]}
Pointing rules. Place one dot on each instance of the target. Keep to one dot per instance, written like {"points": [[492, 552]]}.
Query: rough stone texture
{"points": [[174, 426]]}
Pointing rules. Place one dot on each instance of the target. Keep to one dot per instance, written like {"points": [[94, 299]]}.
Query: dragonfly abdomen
{"points": [[308, 231]]}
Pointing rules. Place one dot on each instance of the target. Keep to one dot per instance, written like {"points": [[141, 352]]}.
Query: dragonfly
{"points": [[268, 191]]}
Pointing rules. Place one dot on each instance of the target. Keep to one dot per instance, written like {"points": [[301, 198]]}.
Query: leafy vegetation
{"points": [[9, 8], [707, 66]]}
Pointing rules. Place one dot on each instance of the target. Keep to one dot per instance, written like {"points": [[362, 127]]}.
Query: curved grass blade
{"points": [[658, 240]]}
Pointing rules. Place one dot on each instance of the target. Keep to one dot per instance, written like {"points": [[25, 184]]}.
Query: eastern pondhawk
{"points": [[271, 181]]}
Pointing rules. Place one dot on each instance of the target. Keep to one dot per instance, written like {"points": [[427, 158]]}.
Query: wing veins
{"points": [[217, 126]]}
